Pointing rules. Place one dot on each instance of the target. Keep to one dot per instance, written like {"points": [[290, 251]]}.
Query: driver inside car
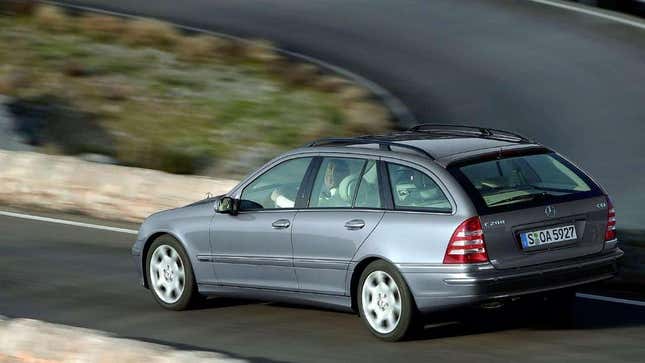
{"points": [[335, 172]]}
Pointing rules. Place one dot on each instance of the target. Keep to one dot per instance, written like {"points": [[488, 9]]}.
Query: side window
{"points": [[336, 183], [277, 188], [368, 195], [412, 189]]}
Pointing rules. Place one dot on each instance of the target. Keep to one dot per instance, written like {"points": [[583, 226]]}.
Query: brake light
{"points": [[610, 233], [467, 243]]}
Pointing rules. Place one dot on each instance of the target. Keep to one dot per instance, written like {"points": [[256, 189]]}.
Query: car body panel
{"points": [[249, 252], [323, 246], [188, 226]]}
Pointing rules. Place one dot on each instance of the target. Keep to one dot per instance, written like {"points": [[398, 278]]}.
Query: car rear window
{"points": [[520, 181]]}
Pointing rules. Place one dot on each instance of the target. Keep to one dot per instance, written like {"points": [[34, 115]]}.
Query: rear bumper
{"points": [[437, 287]]}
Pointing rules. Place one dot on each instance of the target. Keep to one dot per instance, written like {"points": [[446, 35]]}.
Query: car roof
{"points": [[441, 143]]}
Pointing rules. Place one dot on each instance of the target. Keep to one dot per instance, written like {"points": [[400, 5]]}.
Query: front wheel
{"points": [[170, 275], [385, 302]]}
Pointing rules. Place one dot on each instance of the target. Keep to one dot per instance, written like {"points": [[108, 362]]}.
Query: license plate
{"points": [[547, 236]]}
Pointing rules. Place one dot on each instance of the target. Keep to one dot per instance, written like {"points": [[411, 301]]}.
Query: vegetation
{"points": [[147, 95]]}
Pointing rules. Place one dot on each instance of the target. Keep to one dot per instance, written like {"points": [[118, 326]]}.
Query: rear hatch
{"points": [[535, 207]]}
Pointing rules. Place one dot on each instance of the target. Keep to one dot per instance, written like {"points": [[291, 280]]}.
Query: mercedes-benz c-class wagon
{"points": [[392, 227]]}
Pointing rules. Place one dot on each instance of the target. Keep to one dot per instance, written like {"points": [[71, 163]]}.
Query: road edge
{"points": [[590, 10], [21, 340]]}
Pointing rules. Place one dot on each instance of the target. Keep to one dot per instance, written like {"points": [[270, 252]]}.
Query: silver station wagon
{"points": [[392, 227]]}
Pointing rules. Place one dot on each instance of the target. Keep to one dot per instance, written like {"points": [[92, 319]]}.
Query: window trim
{"points": [[418, 209], [307, 186], [386, 187]]}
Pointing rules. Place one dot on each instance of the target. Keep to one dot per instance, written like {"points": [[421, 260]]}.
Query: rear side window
{"points": [[414, 190], [368, 195], [520, 181]]}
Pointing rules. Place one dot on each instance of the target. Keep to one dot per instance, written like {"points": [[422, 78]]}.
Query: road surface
{"points": [[84, 277]]}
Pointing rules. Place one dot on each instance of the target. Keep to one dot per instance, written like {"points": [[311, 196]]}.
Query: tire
{"points": [[170, 274], [385, 303]]}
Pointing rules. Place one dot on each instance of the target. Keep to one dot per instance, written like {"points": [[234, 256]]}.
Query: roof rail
{"points": [[363, 140], [483, 131]]}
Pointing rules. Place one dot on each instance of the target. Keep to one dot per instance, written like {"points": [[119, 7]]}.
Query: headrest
{"points": [[347, 187]]}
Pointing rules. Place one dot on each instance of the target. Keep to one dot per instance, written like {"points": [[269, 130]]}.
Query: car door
{"points": [[344, 207], [253, 248]]}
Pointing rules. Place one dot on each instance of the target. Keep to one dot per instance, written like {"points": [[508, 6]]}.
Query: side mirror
{"points": [[227, 205]]}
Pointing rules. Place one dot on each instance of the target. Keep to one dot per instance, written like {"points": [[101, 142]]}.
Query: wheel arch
{"points": [[146, 246], [356, 276]]}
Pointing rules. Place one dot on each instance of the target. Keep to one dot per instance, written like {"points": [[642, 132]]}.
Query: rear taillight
{"points": [[467, 243], [610, 233]]}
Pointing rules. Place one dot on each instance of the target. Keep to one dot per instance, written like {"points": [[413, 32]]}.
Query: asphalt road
{"points": [[84, 277], [572, 81]]}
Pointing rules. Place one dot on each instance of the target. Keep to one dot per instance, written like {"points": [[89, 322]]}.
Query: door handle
{"points": [[281, 224], [355, 224]]}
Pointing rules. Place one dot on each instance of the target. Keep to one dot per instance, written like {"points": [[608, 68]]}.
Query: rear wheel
{"points": [[170, 275], [385, 302]]}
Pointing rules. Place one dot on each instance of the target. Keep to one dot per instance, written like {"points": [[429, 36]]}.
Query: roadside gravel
{"points": [[27, 340]]}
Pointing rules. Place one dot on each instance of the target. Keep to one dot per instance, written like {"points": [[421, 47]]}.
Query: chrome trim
{"points": [[320, 264], [611, 244], [247, 260], [313, 263], [443, 268]]}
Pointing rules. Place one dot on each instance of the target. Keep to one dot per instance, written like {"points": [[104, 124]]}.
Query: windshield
{"points": [[537, 179]]}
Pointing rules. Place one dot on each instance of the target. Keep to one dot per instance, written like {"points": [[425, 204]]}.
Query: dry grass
{"points": [[6, 87], [367, 118], [260, 51], [146, 32], [300, 74], [351, 94], [228, 47], [102, 26], [12, 80], [53, 18], [330, 83], [75, 69], [198, 48]]}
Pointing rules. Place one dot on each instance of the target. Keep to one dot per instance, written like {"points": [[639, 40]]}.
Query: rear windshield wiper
{"points": [[559, 190], [533, 196]]}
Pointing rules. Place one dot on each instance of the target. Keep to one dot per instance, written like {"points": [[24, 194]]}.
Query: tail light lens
{"points": [[610, 233], [467, 244]]}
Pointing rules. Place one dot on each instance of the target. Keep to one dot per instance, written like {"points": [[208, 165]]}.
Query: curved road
{"points": [[572, 81], [85, 277]]}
